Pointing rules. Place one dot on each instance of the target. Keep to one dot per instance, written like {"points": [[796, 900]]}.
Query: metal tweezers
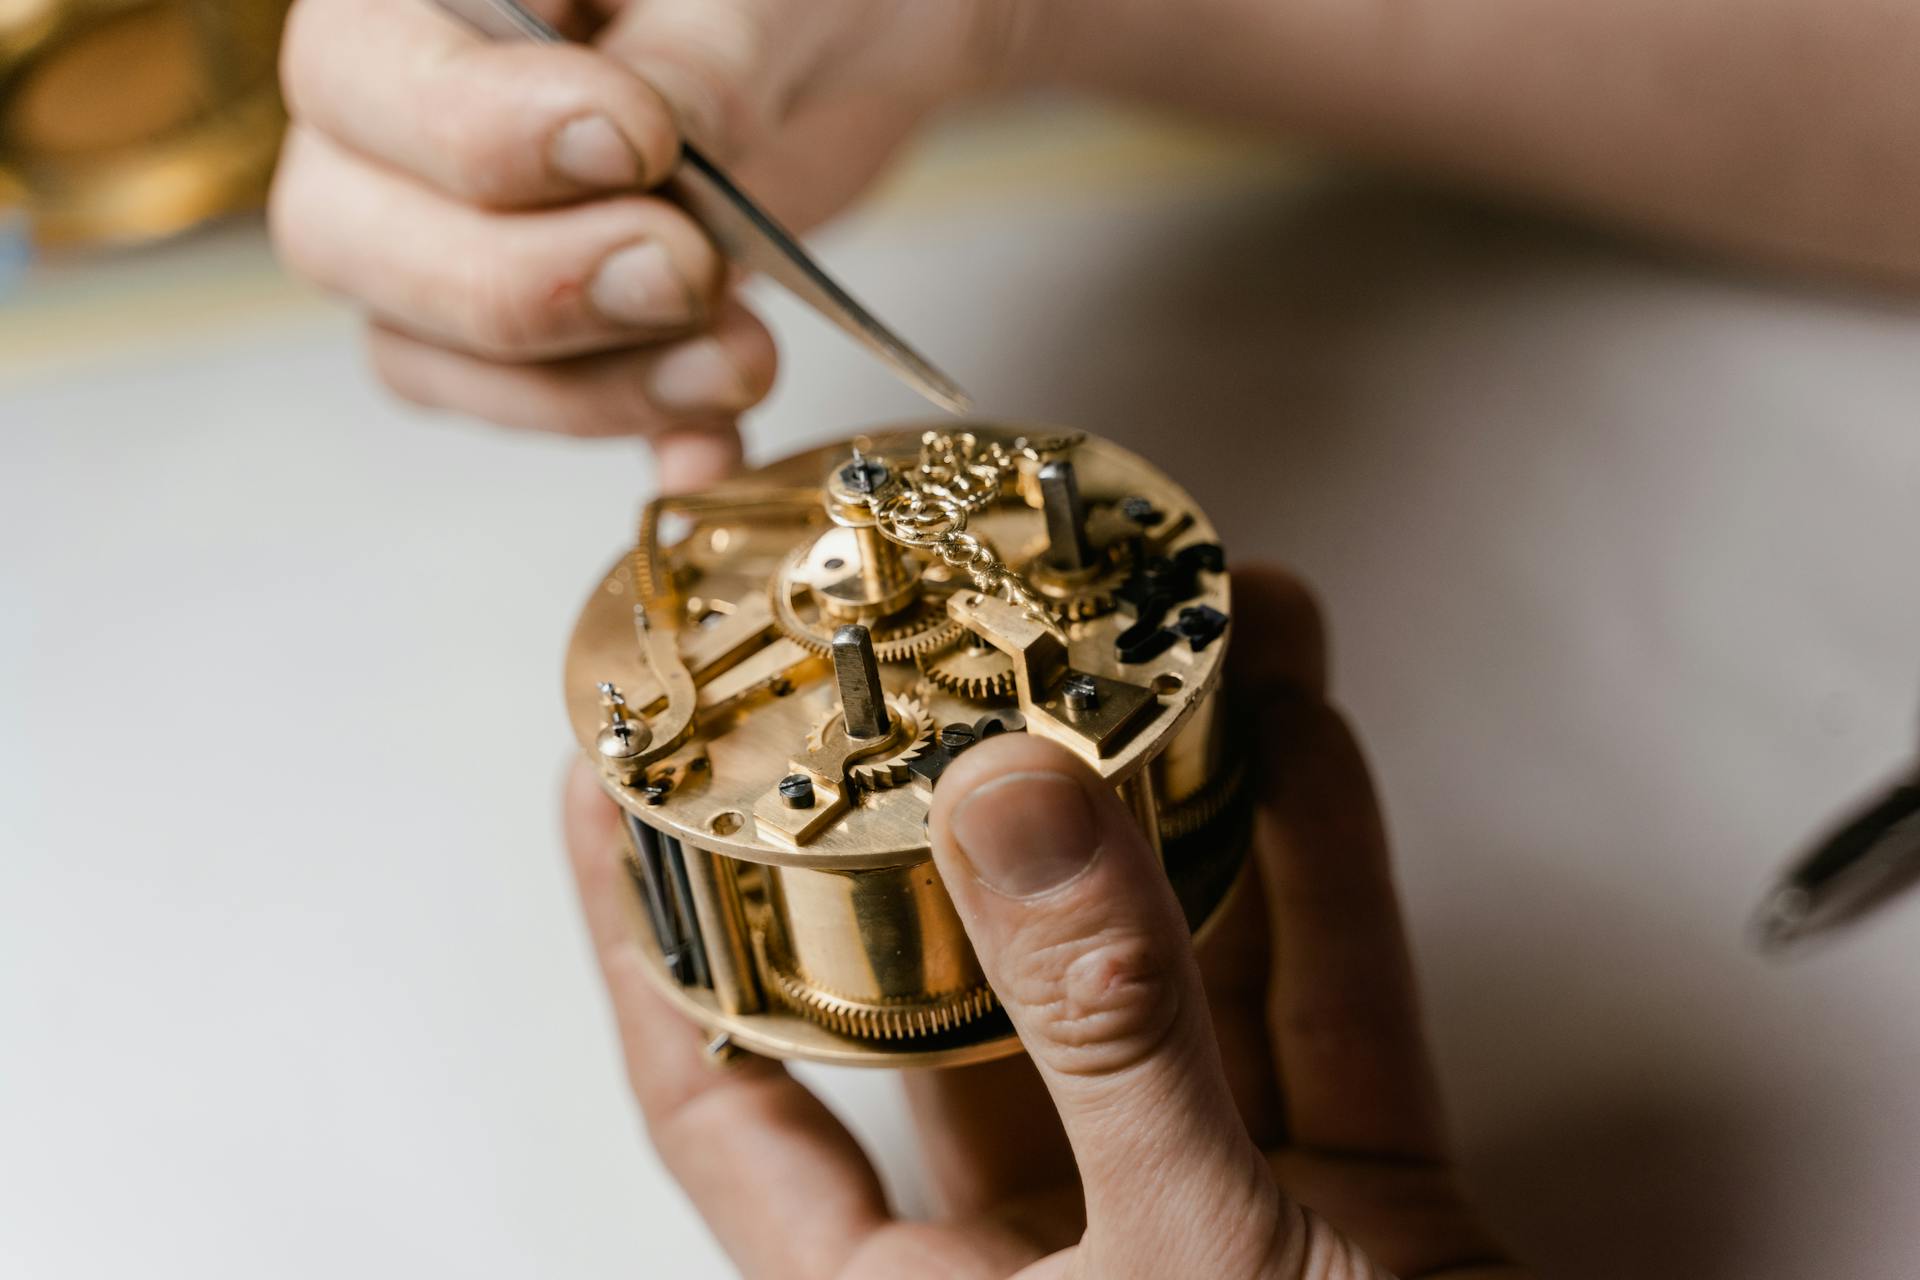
{"points": [[745, 233]]}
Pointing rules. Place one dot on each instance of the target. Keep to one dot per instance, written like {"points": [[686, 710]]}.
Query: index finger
{"points": [[507, 125], [784, 1186], [1343, 1008]]}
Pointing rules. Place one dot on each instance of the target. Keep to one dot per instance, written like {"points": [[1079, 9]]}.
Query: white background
{"points": [[1619, 555]]}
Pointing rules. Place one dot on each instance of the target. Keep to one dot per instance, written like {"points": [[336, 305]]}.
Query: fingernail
{"points": [[697, 376], [1025, 833], [637, 285], [590, 151]]}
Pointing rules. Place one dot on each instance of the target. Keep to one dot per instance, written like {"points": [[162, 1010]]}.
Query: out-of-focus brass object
{"points": [[124, 120], [773, 681]]}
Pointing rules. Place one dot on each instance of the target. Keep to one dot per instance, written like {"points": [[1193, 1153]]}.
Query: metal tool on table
{"points": [[1869, 860], [746, 233]]}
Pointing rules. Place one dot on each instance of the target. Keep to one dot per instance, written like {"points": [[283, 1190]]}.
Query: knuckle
{"points": [[290, 224], [756, 358], [625, 407], [680, 1120], [299, 80], [1100, 1005], [616, 406], [695, 260], [506, 313], [474, 161], [762, 365], [656, 137]]}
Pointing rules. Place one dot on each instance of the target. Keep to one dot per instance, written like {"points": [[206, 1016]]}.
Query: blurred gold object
{"points": [[754, 681], [125, 120]]}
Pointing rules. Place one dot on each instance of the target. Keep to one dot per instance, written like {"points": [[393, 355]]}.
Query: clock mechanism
{"points": [[772, 681]]}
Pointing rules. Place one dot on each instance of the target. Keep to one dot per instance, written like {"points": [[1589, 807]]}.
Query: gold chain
{"points": [[959, 475]]}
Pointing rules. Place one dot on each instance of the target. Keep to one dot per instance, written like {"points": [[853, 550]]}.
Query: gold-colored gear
{"points": [[927, 628], [971, 669], [890, 768], [1094, 602], [1080, 600], [1196, 811], [921, 628], [881, 1020]]}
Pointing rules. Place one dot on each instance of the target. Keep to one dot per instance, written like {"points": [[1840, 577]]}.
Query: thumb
{"points": [[1080, 935]]}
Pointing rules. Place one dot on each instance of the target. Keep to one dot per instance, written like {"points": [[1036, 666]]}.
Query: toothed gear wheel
{"points": [[870, 1021], [928, 629], [1077, 602], [1177, 822], [890, 768], [903, 1019], [1094, 602], [972, 670], [924, 628]]}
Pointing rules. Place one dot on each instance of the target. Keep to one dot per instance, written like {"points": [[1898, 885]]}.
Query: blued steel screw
{"points": [[863, 474], [796, 791]]}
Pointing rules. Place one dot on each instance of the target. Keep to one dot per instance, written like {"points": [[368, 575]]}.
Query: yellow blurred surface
{"points": [[128, 120]]}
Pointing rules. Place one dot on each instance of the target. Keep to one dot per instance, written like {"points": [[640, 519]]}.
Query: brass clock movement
{"points": [[774, 678]]}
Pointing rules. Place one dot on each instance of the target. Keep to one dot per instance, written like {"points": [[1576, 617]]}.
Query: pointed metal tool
{"points": [[746, 233]]}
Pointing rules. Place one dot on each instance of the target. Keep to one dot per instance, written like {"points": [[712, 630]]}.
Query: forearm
{"points": [[1788, 129]]}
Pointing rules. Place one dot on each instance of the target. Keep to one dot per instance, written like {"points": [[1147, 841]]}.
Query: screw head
{"points": [[864, 475], [956, 736], [1081, 693], [1139, 510], [622, 740], [796, 791], [995, 723]]}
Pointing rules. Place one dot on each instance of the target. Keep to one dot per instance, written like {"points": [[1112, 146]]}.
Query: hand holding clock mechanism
{"points": [[773, 680]]}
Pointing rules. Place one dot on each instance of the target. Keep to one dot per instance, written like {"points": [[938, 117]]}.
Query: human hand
{"points": [[1147, 1133], [484, 202]]}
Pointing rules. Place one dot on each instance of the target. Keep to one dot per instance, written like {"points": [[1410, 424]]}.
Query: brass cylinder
{"points": [[1196, 756], [880, 953], [715, 889]]}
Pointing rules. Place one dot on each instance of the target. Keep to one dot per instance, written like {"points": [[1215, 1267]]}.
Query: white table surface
{"points": [[1620, 559]]}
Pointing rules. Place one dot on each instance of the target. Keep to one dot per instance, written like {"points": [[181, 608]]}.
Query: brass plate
{"points": [[749, 756]]}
